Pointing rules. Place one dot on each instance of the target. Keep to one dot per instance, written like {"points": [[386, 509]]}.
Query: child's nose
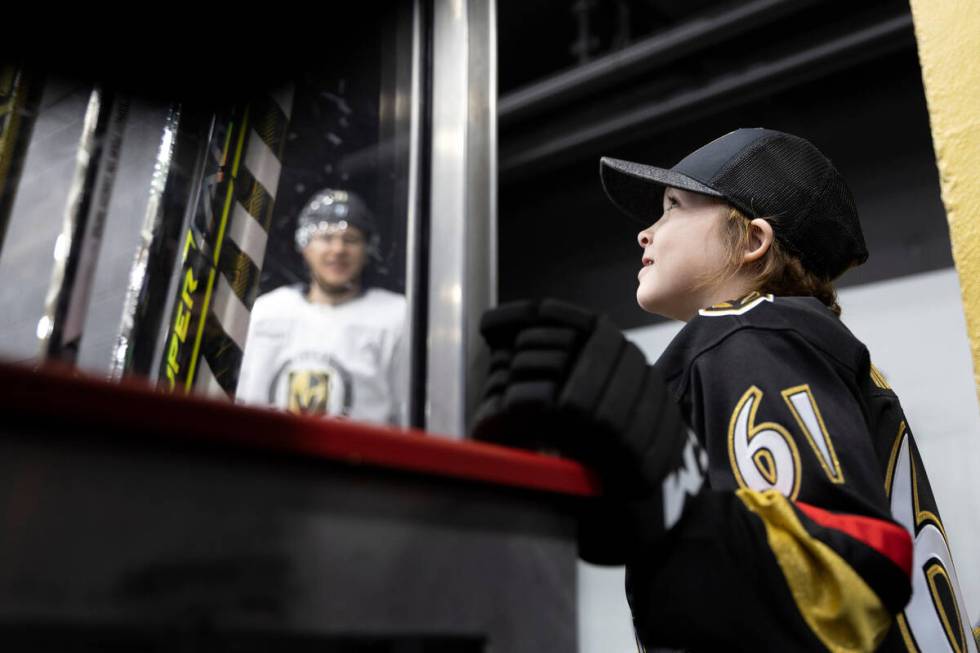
{"points": [[644, 238]]}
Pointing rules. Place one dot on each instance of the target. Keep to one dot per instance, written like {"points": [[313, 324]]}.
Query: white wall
{"points": [[916, 333]]}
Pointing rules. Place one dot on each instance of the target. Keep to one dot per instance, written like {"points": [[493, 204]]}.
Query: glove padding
{"points": [[575, 384], [563, 378]]}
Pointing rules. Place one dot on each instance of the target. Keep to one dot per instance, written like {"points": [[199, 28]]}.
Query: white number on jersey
{"points": [[928, 624]]}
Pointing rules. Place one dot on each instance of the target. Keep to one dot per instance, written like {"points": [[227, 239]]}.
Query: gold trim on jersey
{"points": [[830, 467], [835, 602], [893, 458], [921, 516], [736, 307], [906, 635], [953, 634], [764, 464], [879, 379], [955, 642]]}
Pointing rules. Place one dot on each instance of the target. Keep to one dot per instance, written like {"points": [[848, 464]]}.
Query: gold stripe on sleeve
{"points": [[838, 606]]}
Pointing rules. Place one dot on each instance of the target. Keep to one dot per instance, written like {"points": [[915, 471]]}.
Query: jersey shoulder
{"points": [[384, 305], [386, 298], [800, 318], [277, 302]]}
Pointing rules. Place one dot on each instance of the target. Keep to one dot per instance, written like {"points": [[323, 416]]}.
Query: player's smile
{"points": [[337, 259]]}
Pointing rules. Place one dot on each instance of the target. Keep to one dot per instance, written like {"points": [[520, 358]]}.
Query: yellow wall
{"points": [[948, 35]]}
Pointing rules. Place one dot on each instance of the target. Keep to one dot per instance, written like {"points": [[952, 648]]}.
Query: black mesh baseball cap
{"points": [[765, 174]]}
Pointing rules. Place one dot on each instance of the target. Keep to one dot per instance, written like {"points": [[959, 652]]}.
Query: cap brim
{"points": [[636, 188]]}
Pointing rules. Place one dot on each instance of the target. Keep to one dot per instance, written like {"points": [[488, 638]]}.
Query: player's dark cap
{"points": [[329, 207], [765, 174]]}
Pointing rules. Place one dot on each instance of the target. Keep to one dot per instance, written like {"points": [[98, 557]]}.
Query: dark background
{"points": [[851, 84], [863, 106]]}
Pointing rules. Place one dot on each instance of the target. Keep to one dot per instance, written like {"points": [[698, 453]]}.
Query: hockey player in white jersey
{"points": [[332, 346]]}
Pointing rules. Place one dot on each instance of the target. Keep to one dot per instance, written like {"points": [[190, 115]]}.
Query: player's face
{"points": [[683, 255], [337, 257]]}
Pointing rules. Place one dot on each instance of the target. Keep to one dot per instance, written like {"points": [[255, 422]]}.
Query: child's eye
{"points": [[671, 203]]}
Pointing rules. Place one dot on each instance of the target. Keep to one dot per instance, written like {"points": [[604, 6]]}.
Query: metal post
{"points": [[462, 270]]}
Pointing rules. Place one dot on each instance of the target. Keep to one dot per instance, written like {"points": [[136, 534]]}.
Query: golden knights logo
{"points": [[308, 392], [312, 383]]}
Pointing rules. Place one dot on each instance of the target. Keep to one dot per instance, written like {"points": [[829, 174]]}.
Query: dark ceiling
{"points": [[846, 76], [541, 37]]}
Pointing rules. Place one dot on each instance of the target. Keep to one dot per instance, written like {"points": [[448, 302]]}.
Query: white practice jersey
{"points": [[344, 360]]}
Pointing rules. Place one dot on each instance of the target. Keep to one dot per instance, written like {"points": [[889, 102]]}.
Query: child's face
{"points": [[683, 256]]}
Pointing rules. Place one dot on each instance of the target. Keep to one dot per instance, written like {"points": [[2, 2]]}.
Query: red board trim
{"points": [[50, 398]]}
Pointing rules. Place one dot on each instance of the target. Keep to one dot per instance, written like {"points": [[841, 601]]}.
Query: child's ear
{"points": [[760, 240]]}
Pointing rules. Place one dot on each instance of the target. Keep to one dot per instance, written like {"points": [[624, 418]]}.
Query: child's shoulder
{"points": [[806, 318]]}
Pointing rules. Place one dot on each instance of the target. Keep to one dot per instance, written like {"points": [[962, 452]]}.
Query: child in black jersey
{"points": [[763, 486]]}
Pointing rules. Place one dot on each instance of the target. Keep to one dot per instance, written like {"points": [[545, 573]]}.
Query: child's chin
{"points": [[649, 304], [658, 306]]}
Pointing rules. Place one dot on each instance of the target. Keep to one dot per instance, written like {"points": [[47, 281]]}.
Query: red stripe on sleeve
{"points": [[887, 538]]}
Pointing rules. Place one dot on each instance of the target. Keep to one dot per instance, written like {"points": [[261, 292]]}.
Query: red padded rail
{"points": [[53, 398]]}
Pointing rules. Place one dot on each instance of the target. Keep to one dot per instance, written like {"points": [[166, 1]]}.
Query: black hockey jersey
{"points": [[800, 538]]}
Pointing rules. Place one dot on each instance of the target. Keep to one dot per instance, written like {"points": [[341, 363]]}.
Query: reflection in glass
{"points": [[331, 345], [232, 192], [327, 332]]}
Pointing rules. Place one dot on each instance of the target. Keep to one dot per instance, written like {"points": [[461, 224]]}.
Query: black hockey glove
{"points": [[563, 378]]}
